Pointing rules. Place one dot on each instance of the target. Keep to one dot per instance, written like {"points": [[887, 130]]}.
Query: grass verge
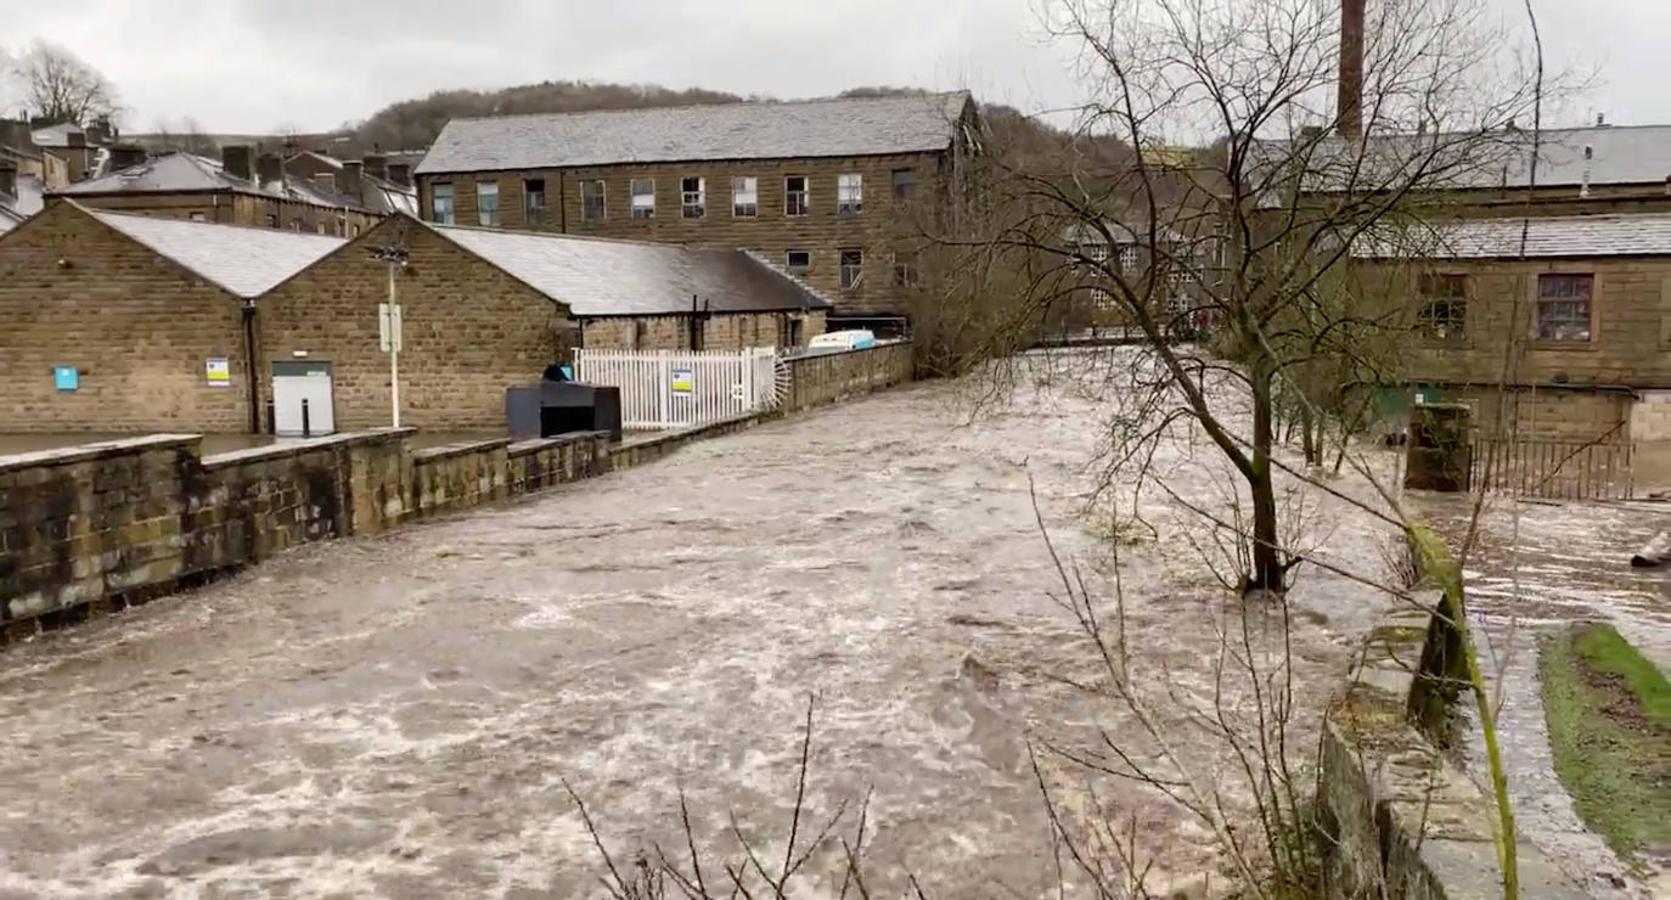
{"points": [[1609, 716]]}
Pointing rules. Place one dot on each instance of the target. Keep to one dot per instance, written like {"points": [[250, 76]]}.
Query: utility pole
{"points": [[389, 326]]}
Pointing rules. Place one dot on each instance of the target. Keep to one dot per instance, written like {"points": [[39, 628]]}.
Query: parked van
{"points": [[851, 339]]}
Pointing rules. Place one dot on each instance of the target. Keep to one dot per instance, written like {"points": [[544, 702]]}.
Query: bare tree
{"points": [[1236, 237], [60, 86]]}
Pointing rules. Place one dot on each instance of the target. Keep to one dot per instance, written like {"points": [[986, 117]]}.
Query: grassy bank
{"points": [[1609, 715]]}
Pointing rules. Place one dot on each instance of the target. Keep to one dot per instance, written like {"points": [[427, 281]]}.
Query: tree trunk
{"points": [[1268, 570], [1310, 435]]}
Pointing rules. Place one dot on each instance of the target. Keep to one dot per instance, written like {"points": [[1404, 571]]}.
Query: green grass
{"points": [[1609, 716]]}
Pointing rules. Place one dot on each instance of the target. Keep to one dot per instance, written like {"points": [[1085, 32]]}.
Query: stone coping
{"points": [[525, 446], [63, 456], [824, 354], [462, 448], [297, 446]]}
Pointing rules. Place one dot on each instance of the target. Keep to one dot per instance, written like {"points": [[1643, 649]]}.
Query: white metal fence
{"points": [[676, 388]]}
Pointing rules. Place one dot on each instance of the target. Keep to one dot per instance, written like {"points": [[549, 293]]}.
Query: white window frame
{"points": [[436, 192], [535, 213], [850, 276], [745, 192], [805, 195], [643, 203], [790, 265], [850, 194], [484, 216], [700, 194], [602, 198]]}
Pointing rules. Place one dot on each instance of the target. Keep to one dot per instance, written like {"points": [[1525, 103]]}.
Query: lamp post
{"points": [[389, 325]]}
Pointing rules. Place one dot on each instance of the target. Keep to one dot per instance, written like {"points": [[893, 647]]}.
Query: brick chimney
{"points": [[1350, 104], [16, 134], [124, 155], [269, 167], [350, 181], [8, 178], [238, 160], [401, 174], [377, 165]]}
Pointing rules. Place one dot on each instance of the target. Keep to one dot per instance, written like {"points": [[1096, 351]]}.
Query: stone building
{"points": [[241, 188], [373, 182], [119, 322], [1577, 333], [838, 191], [486, 309], [132, 323]]}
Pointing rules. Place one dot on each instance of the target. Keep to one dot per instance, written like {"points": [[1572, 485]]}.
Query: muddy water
{"points": [[1537, 567], [397, 716]]}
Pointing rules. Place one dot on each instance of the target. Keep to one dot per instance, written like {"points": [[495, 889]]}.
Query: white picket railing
{"points": [[677, 388]]}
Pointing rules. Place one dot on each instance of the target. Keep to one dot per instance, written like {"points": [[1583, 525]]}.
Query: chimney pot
{"points": [[238, 160]]}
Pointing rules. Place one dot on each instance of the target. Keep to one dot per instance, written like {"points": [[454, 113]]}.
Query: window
{"points": [[850, 194], [644, 198], [798, 261], [905, 184], [487, 203], [1098, 253], [533, 201], [325, 181], [693, 197], [1564, 307], [905, 269], [1444, 307], [320, 228], [1128, 258], [795, 198], [441, 203], [272, 221], [745, 197], [198, 217], [296, 225], [342, 226], [852, 271], [592, 200]]}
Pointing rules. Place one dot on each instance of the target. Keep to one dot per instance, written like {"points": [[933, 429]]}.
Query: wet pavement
{"points": [[396, 716], [1538, 566]]}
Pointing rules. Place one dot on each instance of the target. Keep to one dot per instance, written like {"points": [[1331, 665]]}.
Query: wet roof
{"points": [[594, 277], [179, 171], [246, 261], [759, 130], [1644, 234]]}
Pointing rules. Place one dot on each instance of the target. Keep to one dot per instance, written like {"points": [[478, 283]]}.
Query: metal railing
{"points": [[678, 388], [1553, 468]]}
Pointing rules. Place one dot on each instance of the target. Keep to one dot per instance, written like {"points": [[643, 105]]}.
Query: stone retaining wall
{"points": [[1401, 820], [831, 377]]}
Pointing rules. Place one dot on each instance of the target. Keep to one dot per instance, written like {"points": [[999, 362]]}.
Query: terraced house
{"points": [[840, 192]]}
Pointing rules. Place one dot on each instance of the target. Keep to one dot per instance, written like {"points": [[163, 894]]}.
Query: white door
{"points": [[302, 398]]}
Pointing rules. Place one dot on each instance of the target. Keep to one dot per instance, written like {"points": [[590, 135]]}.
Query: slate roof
{"points": [[1568, 237], [181, 172], [246, 261], [595, 277], [756, 130]]}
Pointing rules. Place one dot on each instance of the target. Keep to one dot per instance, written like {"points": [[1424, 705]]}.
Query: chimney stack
{"points": [[123, 156], [1350, 105], [1601, 120], [376, 165], [269, 168], [8, 178], [238, 160], [16, 134], [350, 180], [401, 174], [1584, 186]]}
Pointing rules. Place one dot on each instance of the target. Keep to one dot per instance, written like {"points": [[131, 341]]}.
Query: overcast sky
{"points": [[253, 65]]}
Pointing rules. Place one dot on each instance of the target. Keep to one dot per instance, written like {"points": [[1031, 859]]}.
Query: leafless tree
{"points": [[1231, 240], [60, 86]]}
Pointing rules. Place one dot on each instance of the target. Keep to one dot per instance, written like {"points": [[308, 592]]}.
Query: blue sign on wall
{"points": [[66, 378]]}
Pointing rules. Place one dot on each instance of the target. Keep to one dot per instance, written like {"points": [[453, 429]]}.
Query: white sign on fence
{"points": [[677, 388]]}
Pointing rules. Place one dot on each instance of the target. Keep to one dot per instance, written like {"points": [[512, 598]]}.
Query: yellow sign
{"points": [[218, 371]]}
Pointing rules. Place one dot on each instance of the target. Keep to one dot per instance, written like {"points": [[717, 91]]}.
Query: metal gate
{"points": [[1553, 468], [679, 388]]}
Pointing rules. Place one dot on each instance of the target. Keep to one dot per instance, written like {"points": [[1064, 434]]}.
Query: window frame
{"points": [[850, 195], [602, 198], [906, 272], [1437, 328], [904, 190], [435, 191], [790, 265], [850, 276], [1588, 279], [804, 195], [754, 192], [535, 214], [638, 211], [701, 194], [487, 217]]}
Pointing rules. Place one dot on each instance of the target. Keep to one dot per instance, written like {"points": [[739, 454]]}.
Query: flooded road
{"points": [[396, 716]]}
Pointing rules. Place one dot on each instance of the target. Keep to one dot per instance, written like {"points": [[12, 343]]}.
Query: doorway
{"points": [[302, 403]]}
